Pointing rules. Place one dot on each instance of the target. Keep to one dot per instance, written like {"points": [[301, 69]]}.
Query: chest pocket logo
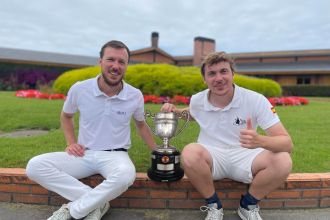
{"points": [[238, 121], [121, 113], [120, 117]]}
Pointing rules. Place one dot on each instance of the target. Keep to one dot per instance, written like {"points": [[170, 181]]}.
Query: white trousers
{"points": [[60, 173]]}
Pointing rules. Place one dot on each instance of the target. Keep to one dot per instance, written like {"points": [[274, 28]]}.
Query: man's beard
{"points": [[109, 83]]}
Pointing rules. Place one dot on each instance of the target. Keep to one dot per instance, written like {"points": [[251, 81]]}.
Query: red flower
{"points": [[178, 99], [289, 100], [56, 96], [30, 93], [37, 94]]}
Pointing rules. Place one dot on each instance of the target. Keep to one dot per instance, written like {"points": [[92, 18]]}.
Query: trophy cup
{"points": [[165, 160]]}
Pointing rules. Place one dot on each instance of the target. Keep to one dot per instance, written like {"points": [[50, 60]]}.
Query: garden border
{"points": [[300, 190]]}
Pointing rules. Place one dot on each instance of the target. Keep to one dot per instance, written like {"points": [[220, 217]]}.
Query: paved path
{"points": [[15, 211]]}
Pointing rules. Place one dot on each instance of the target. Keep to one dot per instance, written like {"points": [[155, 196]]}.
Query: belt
{"points": [[117, 149]]}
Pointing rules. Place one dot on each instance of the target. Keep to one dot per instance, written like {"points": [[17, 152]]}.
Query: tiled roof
{"points": [[307, 66], [273, 54], [10, 54], [150, 49]]}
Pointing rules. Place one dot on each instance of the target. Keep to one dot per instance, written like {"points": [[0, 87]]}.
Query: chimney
{"points": [[154, 39], [202, 47]]}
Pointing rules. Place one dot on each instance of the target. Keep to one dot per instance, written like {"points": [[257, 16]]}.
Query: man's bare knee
{"points": [[193, 154]]}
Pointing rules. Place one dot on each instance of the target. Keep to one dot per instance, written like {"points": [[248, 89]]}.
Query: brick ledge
{"points": [[300, 190]]}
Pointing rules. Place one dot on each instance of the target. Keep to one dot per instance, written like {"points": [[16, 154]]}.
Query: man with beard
{"points": [[228, 145], [106, 105]]}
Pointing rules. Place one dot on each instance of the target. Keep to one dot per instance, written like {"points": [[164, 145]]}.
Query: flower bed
{"points": [[289, 100], [31, 93], [177, 99]]}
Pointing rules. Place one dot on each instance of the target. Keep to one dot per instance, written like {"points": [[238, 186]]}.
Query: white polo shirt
{"points": [[221, 127], [104, 122]]}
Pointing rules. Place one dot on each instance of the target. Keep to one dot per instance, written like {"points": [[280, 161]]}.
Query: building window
{"points": [[304, 80]]}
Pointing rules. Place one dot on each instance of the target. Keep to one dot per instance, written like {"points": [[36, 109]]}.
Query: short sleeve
{"points": [[266, 114], [139, 112], [70, 105]]}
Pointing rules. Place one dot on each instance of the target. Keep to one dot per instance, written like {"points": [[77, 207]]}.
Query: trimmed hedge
{"points": [[307, 90], [267, 87], [165, 80], [64, 82]]}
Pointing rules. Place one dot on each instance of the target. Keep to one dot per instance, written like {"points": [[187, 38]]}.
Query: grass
{"points": [[308, 126]]}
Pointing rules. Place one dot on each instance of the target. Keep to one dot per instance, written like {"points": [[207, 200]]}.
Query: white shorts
{"points": [[233, 162]]}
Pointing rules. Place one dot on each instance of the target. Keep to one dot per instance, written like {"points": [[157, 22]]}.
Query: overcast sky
{"points": [[83, 26]]}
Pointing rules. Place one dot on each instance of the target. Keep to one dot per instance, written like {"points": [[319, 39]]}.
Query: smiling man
{"points": [[106, 105], [228, 145]]}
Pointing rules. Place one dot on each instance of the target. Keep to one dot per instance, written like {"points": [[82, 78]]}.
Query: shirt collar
{"points": [[96, 89], [236, 98], [233, 104], [97, 92]]}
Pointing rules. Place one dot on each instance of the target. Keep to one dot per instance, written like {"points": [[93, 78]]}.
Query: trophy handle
{"points": [[149, 114], [183, 114]]}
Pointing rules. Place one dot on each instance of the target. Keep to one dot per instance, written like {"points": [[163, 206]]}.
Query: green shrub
{"points": [[166, 80], [63, 83], [307, 90], [267, 87]]}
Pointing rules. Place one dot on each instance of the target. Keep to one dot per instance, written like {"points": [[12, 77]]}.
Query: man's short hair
{"points": [[115, 44], [217, 57]]}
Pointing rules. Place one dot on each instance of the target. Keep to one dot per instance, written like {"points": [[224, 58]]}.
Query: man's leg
{"points": [[119, 173], [197, 163], [59, 172], [270, 170]]}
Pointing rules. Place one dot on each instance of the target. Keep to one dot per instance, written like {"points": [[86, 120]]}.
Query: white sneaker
{"points": [[98, 213], [251, 214], [212, 212], [61, 214]]}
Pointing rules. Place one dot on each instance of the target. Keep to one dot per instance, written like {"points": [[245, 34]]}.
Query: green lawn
{"points": [[308, 126]]}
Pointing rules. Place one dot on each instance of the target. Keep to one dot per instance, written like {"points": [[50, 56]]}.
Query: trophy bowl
{"points": [[165, 124], [165, 159]]}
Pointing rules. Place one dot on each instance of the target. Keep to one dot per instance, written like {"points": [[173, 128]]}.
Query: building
{"points": [[285, 67], [18, 67], [154, 54]]}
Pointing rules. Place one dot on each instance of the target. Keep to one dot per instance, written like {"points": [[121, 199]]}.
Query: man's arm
{"points": [[276, 139], [146, 134], [67, 125]]}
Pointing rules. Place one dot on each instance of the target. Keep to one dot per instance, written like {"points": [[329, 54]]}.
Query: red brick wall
{"points": [[299, 191], [201, 49], [151, 57]]}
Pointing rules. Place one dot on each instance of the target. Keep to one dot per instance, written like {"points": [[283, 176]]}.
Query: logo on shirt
{"points": [[121, 113], [273, 110], [238, 121]]}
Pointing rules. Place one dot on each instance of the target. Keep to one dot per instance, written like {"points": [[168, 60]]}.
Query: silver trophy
{"points": [[165, 160]]}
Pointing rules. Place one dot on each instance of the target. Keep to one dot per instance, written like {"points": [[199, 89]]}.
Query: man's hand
{"points": [[168, 107], [76, 150], [249, 138]]}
